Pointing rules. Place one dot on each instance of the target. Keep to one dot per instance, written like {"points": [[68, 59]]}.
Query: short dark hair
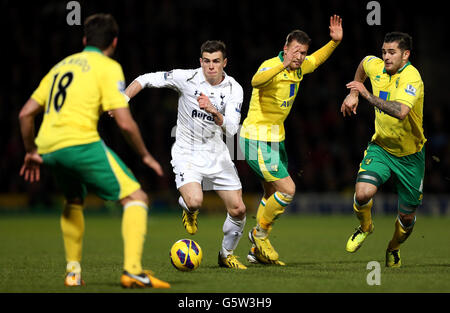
{"points": [[403, 39], [299, 36], [100, 30], [211, 46]]}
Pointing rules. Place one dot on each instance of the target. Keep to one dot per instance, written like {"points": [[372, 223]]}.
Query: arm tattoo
{"points": [[391, 108]]}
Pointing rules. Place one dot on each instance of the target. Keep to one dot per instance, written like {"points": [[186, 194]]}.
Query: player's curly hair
{"points": [[100, 30], [211, 46], [299, 36]]}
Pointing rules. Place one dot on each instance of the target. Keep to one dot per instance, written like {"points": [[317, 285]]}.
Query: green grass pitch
{"points": [[313, 247]]}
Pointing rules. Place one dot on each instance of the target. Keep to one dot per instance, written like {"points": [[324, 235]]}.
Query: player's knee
{"points": [[138, 195], [362, 196], [289, 190], [364, 192], [407, 219], [237, 210], [194, 202]]}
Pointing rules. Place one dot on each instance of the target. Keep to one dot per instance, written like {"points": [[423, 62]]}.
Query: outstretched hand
{"points": [[336, 31], [351, 101], [31, 168], [153, 164], [349, 105]]}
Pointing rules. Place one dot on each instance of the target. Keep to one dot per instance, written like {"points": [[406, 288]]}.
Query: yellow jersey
{"points": [[271, 102], [74, 93], [398, 137]]}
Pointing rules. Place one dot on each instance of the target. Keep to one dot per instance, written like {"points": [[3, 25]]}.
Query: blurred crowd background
{"points": [[324, 148]]}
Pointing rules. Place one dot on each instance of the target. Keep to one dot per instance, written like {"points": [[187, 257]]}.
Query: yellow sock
{"points": [[275, 206], [134, 230], [261, 207], [260, 232], [364, 214], [401, 233], [72, 226]]}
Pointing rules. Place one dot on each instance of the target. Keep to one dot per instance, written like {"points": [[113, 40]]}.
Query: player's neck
{"points": [[108, 51], [217, 81]]}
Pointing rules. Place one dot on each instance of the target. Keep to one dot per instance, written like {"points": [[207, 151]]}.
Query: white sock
{"points": [[233, 229], [261, 232], [183, 204], [73, 266]]}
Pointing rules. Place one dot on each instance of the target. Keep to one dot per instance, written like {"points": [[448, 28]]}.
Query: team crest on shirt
{"points": [[368, 161]]}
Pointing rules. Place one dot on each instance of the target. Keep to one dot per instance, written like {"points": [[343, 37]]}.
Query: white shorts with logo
{"points": [[212, 170]]}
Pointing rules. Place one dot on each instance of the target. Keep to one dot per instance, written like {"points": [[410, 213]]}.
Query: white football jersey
{"points": [[196, 129]]}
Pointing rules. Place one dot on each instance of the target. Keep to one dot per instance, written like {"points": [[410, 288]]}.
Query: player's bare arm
{"points": [[133, 89], [205, 104], [351, 101], [133, 136], [31, 165], [392, 108]]}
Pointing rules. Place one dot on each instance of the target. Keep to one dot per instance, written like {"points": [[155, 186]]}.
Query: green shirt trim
{"points": [[92, 49], [400, 70]]}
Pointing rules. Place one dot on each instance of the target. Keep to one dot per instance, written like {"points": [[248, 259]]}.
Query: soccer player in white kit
{"points": [[209, 105]]}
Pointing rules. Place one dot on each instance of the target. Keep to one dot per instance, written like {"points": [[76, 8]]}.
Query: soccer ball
{"points": [[186, 255]]}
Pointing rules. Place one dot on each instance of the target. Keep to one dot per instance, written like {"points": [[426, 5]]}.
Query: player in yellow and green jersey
{"points": [[275, 86], [397, 147], [72, 96]]}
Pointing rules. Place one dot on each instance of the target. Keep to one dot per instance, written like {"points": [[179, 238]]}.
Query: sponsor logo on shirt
{"points": [[202, 115]]}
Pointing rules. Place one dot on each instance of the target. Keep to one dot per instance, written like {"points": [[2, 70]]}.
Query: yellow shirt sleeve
{"points": [[112, 86], [265, 74], [408, 91], [321, 55], [370, 65], [309, 65], [42, 92]]}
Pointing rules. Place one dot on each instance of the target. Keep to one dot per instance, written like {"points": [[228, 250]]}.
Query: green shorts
{"points": [[378, 165], [267, 159], [92, 167]]}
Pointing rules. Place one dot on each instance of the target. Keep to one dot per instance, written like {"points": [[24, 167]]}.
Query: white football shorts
{"points": [[212, 170]]}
